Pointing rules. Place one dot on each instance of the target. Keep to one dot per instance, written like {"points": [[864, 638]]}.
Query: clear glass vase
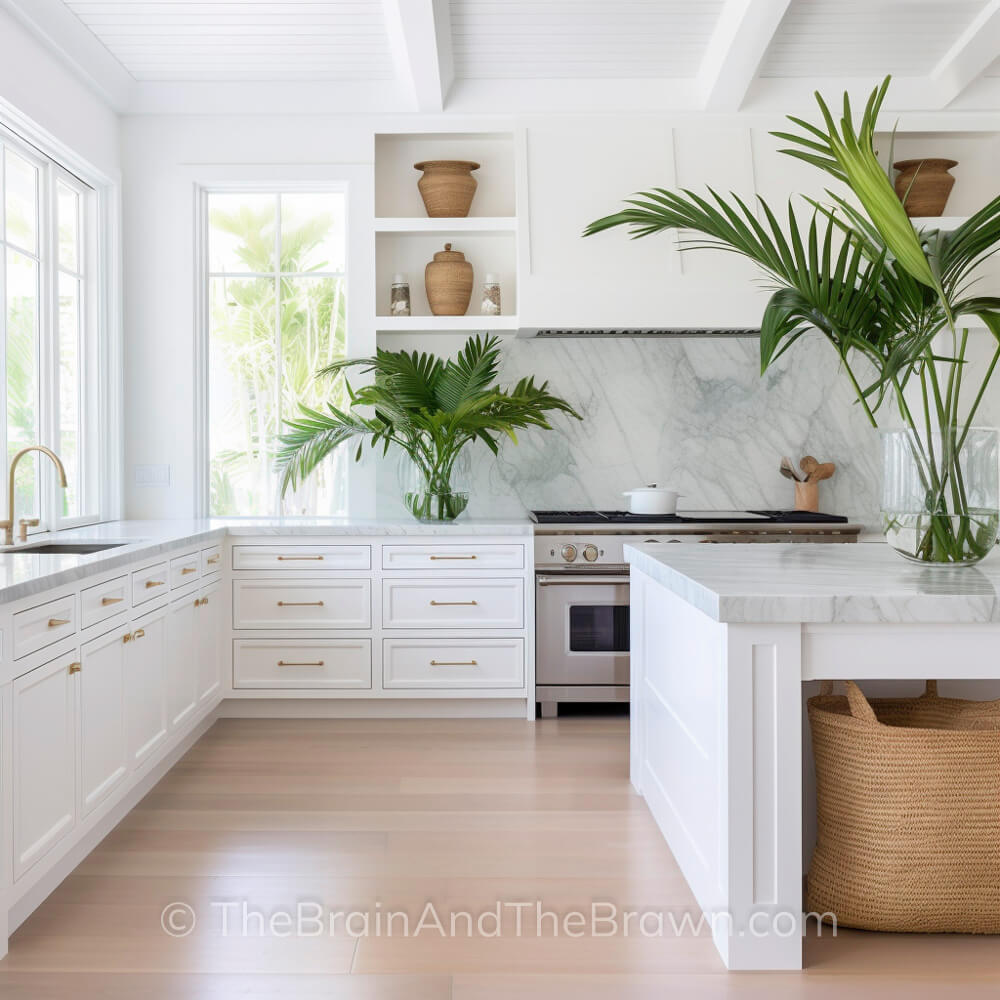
{"points": [[941, 494], [437, 491]]}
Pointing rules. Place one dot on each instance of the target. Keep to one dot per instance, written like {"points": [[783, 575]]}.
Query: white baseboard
{"points": [[372, 708]]}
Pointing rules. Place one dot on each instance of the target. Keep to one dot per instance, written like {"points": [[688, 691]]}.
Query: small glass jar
{"points": [[491, 296], [399, 304]]}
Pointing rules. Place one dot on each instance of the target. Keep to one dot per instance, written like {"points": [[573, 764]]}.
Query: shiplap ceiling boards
{"points": [[471, 56], [163, 40]]}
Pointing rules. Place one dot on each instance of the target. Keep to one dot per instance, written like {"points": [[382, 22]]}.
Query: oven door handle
{"points": [[577, 581]]}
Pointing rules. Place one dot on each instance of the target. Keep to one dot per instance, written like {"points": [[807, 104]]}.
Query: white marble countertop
{"points": [[820, 583], [23, 574]]}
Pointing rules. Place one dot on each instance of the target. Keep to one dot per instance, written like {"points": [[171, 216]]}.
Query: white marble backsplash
{"points": [[694, 414]]}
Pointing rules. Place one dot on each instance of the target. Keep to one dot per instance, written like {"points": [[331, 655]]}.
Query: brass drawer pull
{"points": [[127, 637], [56, 622], [302, 663], [153, 583], [138, 633], [212, 560], [199, 601], [105, 601], [300, 558], [445, 604], [454, 663], [75, 668], [453, 557], [300, 604], [188, 569]]}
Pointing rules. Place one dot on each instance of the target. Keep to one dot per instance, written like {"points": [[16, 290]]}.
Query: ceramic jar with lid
{"points": [[448, 281]]}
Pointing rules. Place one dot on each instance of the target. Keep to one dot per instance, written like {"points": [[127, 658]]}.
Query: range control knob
{"points": [[590, 553], [568, 552]]}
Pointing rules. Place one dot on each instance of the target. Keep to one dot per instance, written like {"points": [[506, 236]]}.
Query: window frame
{"points": [[99, 338], [357, 189]]}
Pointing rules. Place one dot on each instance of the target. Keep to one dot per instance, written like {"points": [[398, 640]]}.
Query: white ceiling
{"points": [[516, 55]]}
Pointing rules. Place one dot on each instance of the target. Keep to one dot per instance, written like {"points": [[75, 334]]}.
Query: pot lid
{"points": [[651, 488], [448, 254]]}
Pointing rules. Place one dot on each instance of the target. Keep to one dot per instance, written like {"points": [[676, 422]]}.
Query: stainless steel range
{"points": [[582, 593]]}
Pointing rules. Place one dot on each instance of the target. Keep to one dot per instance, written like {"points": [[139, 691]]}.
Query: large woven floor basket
{"points": [[908, 790]]}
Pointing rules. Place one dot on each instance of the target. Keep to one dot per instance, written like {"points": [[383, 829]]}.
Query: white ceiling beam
{"points": [[972, 54], [420, 42], [735, 51], [77, 47]]}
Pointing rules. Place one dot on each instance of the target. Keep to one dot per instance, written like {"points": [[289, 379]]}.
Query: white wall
{"points": [[696, 411], [40, 87]]}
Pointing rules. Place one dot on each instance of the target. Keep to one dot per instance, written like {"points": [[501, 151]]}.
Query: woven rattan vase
{"points": [[908, 823], [448, 282]]}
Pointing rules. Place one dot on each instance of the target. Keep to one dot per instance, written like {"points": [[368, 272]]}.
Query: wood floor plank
{"points": [[388, 815]]}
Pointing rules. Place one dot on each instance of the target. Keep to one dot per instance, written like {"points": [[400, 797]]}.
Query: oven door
{"points": [[582, 630]]}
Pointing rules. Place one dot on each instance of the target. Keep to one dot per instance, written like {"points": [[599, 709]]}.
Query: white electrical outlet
{"points": [[152, 475]]}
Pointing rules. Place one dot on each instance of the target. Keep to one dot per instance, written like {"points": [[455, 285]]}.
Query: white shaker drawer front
{"points": [[453, 603], [103, 601], [39, 627], [211, 559], [453, 663], [184, 569], [303, 663], [150, 582], [450, 558], [302, 557], [302, 604]]}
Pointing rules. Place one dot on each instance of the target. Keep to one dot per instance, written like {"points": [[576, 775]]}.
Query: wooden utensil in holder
{"points": [[807, 490]]}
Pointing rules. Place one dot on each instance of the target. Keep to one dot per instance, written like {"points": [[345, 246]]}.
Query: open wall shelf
{"points": [[406, 239]]}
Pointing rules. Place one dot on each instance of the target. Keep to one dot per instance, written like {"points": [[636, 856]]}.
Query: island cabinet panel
{"points": [[182, 661], [43, 759], [315, 603], [208, 625], [298, 558], [150, 582], [146, 686], [442, 604], [104, 759]]}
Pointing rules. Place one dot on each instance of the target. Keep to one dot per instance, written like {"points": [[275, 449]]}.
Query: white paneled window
{"points": [[48, 334], [276, 303]]}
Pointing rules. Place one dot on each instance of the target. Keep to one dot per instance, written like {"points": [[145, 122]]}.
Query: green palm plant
{"points": [[886, 295], [430, 408]]}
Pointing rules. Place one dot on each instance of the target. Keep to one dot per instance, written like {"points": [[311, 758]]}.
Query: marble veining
{"points": [[694, 414], [820, 584], [25, 574]]}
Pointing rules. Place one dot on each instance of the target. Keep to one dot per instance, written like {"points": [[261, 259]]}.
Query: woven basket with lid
{"points": [[448, 281], [908, 796]]}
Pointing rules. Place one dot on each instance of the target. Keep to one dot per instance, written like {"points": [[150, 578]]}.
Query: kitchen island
{"points": [[723, 637]]}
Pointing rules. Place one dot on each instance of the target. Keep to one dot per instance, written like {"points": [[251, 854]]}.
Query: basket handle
{"points": [[860, 709]]}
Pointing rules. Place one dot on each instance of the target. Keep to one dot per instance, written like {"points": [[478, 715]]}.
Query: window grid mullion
{"points": [[277, 341]]}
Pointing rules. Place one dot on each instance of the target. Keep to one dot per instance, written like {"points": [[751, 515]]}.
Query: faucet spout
{"points": [[8, 525]]}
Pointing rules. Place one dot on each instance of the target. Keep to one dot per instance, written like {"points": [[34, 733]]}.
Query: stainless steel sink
{"points": [[65, 548]]}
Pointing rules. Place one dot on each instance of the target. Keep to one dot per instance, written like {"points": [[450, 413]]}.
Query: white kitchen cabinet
{"points": [[153, 581], [208, 626], [145, 686], [452, 663], [181, 661], [103, 752], [43, 759], [443, 604], [315, 603], [303, 664]]}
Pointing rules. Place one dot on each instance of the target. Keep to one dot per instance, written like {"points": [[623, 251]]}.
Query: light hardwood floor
{"points": [[380, 815]]}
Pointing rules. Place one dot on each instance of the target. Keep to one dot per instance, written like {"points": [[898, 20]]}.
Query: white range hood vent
{"points": [[584, 333]]}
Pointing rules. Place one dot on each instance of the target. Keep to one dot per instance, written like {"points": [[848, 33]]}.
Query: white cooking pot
{"points": [[652, 499]]}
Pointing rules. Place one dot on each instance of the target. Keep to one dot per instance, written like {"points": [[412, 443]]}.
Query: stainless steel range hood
{"points": [[585, 333]]}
